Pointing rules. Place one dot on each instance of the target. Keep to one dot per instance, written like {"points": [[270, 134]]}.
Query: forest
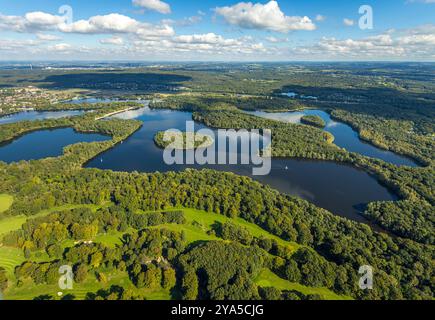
{"points": [[159, 235], [314, 121], [182, 140], [339, 244]]}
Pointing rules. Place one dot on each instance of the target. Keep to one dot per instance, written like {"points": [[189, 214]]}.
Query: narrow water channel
{"points": [[345, 136]]}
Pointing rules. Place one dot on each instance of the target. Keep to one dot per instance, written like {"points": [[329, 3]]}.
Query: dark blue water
{"points": [[338, 188], [38, 115], [43, 144], [345, 136]]}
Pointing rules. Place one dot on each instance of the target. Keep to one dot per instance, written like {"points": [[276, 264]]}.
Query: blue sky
{"points": [[216, 30]]}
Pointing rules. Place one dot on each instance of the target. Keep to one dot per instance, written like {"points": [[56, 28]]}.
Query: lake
{"points": [[38, 115], [93, 100], [345, 136], [341, 189], [44, 143]]}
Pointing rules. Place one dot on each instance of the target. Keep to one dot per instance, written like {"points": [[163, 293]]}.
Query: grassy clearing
{"points": [[14, 223], [5, 202], [42, 213], [11, 224], [268, 279], [29, 291], [192, 233], [10, 258], [13, 257], [200, 222], [110, 239]]}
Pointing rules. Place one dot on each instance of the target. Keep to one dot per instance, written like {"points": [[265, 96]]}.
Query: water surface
{"points": [[345, 136], [44, 143], [341, 189], [38, 115], [93, 100]]}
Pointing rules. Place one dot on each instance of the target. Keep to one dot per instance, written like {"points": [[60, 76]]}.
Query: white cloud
{"points": [[7, 44], [276, 40], [196, 45], [350, 46], [118, 24], [213, 43], [114, 23], [129, 38], [151, 31], [422, 35], [60, 47], [185, 22], [348, 22], [209, 38], [155, 5], [12, 23], [111, 23], [411, 44], [422, 1], [263, 16], [421, 39], [31, 22], [47, 37], [320, 18], [43, 19], [118, 41]]}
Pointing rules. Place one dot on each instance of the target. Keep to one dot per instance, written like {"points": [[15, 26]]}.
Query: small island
{"points": [[314, 121], [201, 141]]}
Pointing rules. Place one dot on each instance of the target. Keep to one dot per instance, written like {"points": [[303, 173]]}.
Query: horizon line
{"points": [[219, 61]]}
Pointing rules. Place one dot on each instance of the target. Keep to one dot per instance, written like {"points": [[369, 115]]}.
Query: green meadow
{"points": [[29, 291], [199, 223], [269, 279], [5, 202], [15, 222]]}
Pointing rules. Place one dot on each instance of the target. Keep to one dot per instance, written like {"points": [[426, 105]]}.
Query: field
{"points": [[11, 224], [10, 258], [29, 290], [268, 279], [111, 239], [14, 223], [200, 222], [5, 202]]}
